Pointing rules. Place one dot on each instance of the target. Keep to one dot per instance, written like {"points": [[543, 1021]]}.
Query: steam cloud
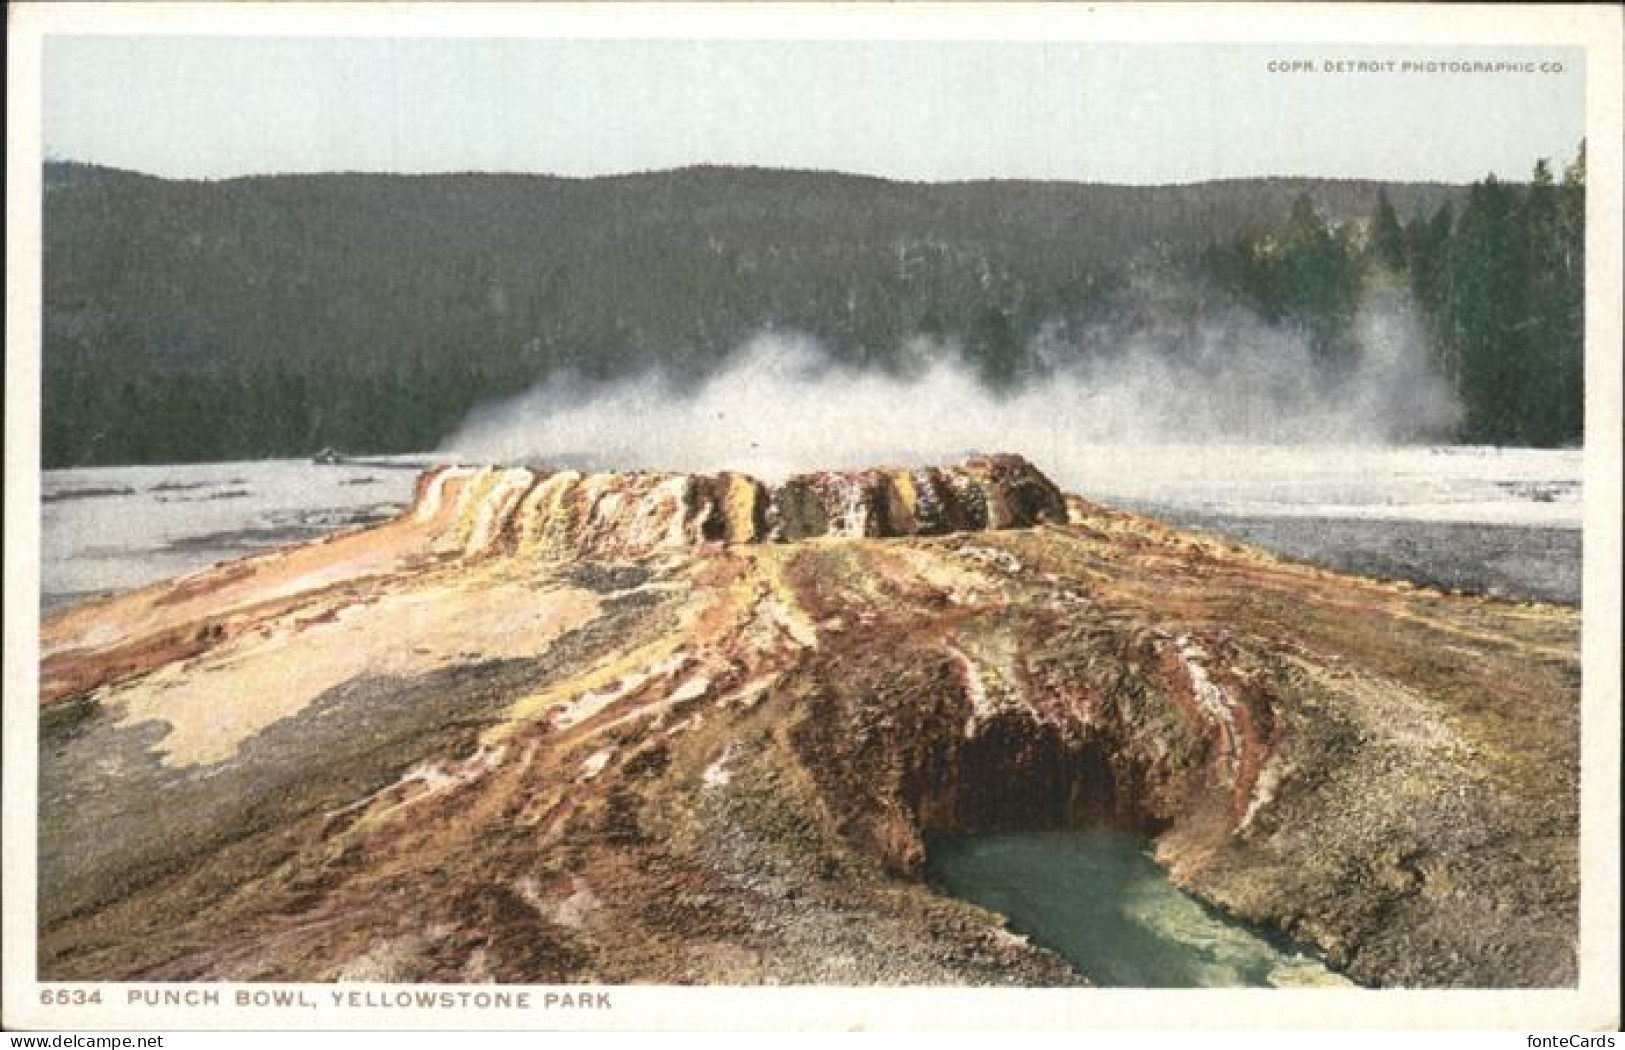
{"points": [[783, 405]]}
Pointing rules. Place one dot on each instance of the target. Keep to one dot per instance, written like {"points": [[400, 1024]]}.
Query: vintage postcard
{"points": [[530, 516]]}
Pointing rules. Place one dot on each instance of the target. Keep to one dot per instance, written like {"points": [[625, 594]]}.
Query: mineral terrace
{"points": [[554, 727]]}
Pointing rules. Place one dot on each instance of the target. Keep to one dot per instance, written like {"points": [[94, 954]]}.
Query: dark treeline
{"points": [[1504, 285], [277, 315], [1305, 273], [1501, 281]]}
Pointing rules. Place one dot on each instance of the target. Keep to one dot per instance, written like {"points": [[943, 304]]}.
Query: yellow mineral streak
{"points": [[495, 510], [600, 678], [256, 581], [589, 704], [770, 563], [902, 502], [713, 616], [545, 522], [741, 508], [433, 500], [469, 495], [949, 576], [1489, 638], [420, 784]]}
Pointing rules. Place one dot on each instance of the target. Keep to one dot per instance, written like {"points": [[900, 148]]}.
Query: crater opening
{"points": [[1053, 830], [1096, 898], [1016, 773]]}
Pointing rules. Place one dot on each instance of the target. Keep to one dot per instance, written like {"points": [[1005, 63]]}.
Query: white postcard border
{"points": [[1593, 1005]]}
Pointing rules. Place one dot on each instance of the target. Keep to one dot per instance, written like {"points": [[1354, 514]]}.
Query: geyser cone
{"points": [[652, 727]]}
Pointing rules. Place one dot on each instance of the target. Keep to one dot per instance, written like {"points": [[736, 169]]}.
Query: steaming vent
{"points": [[518, 511]]}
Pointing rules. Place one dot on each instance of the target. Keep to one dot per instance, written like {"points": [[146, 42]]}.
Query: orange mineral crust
{"points": [[554, 727]]}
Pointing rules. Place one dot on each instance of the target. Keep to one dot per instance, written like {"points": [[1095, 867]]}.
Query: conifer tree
{"points": [[1387, 238]]}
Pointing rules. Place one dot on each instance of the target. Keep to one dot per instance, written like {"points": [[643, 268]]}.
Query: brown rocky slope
{"points": [[563, 727]]}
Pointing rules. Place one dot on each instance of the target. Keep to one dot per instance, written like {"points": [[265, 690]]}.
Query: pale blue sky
{"points": [[1132, 113]]}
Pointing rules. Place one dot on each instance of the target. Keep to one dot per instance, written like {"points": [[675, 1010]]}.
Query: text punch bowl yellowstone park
{"points": [[555, 727]]}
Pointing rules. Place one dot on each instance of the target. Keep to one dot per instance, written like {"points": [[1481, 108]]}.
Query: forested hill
{"points": [[275, 315]]}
